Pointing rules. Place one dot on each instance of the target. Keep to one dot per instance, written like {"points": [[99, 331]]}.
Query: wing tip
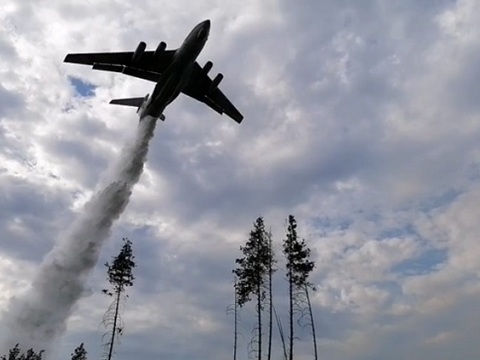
{"points": [[76, 59], [238, 118]]}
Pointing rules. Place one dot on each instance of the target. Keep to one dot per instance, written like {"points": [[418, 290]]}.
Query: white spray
{"points": [[39, 316]]}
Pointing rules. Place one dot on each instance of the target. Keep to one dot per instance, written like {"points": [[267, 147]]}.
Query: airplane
{"points": [[174, 71]]}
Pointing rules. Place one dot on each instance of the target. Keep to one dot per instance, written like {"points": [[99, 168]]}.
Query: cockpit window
{"points": [[201, 34]]}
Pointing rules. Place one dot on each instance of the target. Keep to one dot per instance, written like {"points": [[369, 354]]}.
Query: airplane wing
{"points": [[144, 65], [200, 88]]}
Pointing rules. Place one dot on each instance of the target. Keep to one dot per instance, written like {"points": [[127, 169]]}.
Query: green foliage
{"points": [[14, 354], [297, 253], [120, 271], [253, 267], [79, 353]]}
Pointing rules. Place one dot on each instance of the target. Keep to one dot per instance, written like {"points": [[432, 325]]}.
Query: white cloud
{"points": [[361, 118]]}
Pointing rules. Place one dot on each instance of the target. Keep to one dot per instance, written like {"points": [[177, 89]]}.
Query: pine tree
{"points": [[298, 269], [14, 354], [79, 353], [120, 276], [252, 274]]}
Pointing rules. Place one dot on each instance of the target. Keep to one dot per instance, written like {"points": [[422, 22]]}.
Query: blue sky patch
{"points": [[399, 232], [330, 224], [82, 88], [427, 262], [441, 200]]}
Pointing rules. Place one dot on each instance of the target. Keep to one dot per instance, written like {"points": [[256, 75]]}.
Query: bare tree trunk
{"points": [[282, 336], [259, 319], [270, 296], [270, 313], [114, 331], [314, 337], [235, 326], [290, 293]]}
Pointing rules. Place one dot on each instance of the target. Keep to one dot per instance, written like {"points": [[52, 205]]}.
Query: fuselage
{"points": [[176, 76]]}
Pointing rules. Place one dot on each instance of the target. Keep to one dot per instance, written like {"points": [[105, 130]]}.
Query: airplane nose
{"points": [[206, 25]]}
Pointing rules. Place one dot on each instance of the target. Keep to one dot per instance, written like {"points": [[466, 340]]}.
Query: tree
{"points": [[298, 269], [14, 354], [120, 276], [271, 270], [252, 272], [233, 308], [281, 333], [310, 321], [79, 353]]}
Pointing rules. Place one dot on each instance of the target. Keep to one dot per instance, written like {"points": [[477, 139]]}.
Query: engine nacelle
{"points": [[207, 67], [216, 82], [159, 50], [137, 55]]}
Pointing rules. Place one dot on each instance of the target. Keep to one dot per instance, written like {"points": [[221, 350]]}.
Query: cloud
{"points": [[9, 101], [360, 119]]}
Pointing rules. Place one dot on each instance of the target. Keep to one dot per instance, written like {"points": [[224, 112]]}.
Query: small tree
{"points": [[79, 353], [120, 276], [14, 354], [298, 269], [252, 274]]}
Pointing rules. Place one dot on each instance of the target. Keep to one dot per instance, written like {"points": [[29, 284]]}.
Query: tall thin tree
{"points": [[298, 269], [233, 309], [252, 272], [120, 276], [311, 320], [271, 270], [281, 333]]}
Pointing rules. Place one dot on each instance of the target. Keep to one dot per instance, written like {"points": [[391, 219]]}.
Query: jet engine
{"points": [[137, 55], [159, 50], [207, 67], [216, 82]]}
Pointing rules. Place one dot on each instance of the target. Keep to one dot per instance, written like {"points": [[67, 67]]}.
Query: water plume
{"points": [[38, 317]]}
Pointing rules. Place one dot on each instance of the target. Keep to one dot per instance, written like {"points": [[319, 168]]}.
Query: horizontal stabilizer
{"points": [[136, 102]]}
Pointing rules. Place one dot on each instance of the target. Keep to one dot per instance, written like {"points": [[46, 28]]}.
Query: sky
{"points": [[361, 119]]}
